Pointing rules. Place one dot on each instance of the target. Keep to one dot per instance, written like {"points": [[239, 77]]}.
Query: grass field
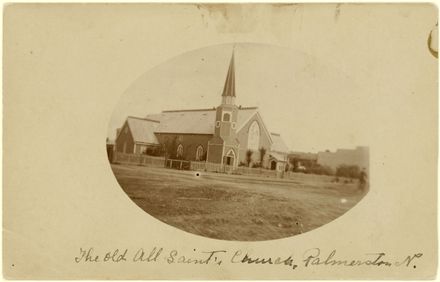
{"points": [[235, 207]]}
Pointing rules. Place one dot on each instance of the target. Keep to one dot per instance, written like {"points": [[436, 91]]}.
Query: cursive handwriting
{"points": [[247, 259], [142, 256], [209, 257], [112, 256], [311, 258]]}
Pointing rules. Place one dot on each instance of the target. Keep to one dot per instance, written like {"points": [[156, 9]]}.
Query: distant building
{"points": [[358, 156], [219, 135], [300, 161]]}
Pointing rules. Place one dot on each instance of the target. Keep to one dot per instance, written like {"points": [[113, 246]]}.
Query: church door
{"points": [[273, 165], [229, 160]]}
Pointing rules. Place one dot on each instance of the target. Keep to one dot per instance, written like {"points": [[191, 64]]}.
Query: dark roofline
{"points": [[204, 110], [192, 110], [146, 119], [184, 133]]}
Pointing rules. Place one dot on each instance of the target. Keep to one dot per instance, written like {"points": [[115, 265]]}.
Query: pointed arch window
{"points": [[254, 136], [199, 153], [179, 151]]}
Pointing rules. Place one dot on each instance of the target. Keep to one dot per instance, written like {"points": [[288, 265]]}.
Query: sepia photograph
{"points": [[225, 157], [220, 141]]}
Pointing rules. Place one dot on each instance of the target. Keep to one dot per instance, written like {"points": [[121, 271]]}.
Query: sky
{"points": [[313, 104]]}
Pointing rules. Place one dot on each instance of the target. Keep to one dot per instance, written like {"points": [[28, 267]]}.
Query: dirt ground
{"points": [[235, 207]]}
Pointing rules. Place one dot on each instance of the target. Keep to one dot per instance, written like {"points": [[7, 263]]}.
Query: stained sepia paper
{"points": [[324, 77]]}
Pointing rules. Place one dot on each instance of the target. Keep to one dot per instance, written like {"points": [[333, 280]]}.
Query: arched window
{"points": [[254, 136], [180, 151], [226, 117], [199, 153]]}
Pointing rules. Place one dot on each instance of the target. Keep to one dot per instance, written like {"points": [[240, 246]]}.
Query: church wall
{"points": [[242, 136], [126, 137], [215, 152], [190, 142]]}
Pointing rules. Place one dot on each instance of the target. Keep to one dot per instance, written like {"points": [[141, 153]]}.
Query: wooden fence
{"points": [[178, 164], [145, 160], [204, 166], [138, 159]]}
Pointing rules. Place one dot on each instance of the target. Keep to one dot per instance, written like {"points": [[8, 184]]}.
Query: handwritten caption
{"points": [[310, 258]]}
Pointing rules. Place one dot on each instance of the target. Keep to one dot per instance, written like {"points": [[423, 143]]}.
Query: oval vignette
{"points": [[228, 142]]}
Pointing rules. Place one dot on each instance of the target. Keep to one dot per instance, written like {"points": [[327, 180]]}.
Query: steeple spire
{"points": [[229, 88]]}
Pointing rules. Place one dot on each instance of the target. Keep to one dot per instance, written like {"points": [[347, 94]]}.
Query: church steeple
{"points": [[228, 96], [224, 146]]}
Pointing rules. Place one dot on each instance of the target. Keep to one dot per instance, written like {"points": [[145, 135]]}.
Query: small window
{"points": [[233, 125], [226, 117], [180, 151], [217, 124]]}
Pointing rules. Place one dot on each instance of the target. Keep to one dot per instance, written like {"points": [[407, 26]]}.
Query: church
{"points": [[228, 134]]}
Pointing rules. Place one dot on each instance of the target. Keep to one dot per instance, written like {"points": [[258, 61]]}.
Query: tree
{"points": [[319, 169], [153, 151], [171, 148], [262, 154], [349, 171], [249, 157], [294, 163]]}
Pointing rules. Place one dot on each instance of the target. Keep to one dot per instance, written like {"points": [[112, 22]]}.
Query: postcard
{"points": [[220, 141]]}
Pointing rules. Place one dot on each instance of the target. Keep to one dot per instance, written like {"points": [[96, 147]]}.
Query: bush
{"points": [[249, 157], [256, 165], [154, 151], [319, 169], [349, 171]]}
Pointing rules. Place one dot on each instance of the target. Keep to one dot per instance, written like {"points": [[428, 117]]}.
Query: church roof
{"points": [[229, 88], [143, 129], [278, 144], [199, 121]]}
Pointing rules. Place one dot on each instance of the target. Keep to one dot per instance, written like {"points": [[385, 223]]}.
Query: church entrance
{"points": [[229, 159], [273, 165]]}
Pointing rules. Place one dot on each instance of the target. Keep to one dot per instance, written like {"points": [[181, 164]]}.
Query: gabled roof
{"points": [[248, 118], [198, 121], [278, 144], [143, 129]]}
